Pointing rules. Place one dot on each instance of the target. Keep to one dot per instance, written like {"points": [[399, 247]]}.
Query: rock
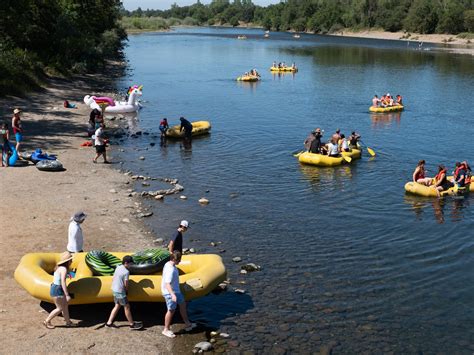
{"points": [[182, 197], [192, 250], [129, 190], [125, 220], [237, 259], [144, 193], [113, 191], [243, 271], [203, 345], [239, 290], [224, 335], [152, 144], [203, 201], [212, 244], [250, 267], [222, 286], [222, 251], [159, 197], [213, 333], [142, 158], [145, 184]]}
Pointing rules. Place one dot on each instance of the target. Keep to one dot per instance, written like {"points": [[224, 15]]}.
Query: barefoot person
{"points": [[17, 129], [100, 144], [419, 174], [59, 291], [120, 289], [173, 296]]}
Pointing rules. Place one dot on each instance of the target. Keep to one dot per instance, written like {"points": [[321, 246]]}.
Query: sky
{"points": [[166, 4]]}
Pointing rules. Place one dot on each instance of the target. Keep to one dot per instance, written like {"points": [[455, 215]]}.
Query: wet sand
{"points": [[35, 216]]}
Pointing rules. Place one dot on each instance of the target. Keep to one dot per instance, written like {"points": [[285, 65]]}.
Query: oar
{"points": [[370, 150], [347, 158]]}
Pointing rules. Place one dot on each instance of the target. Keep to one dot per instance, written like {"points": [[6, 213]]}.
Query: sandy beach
{"points": [[35, 217]]}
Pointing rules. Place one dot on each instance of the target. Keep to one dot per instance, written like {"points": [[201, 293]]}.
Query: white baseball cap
{"points": [[184, 224]]}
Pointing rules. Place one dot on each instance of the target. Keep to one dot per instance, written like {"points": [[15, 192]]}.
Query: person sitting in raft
{"points": [[419, 174], [336, 136], [461, 174], [333, 148], [353, 140], [293, 66], [441, 180], [383, 101], [390, 100], [164, 127], [274, 65], [375, 101], [399, 100], [344, 144], [6, 149]]}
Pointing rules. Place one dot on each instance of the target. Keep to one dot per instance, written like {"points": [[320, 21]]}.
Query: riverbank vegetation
{"points": [[326, 16], [60, 37]]}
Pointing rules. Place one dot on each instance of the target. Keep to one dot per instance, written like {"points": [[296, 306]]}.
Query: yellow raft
{"points": [[285, 69], [429, 191], [325, 160], [199, 128], [199, 275], [396, 108], [251, 78]]}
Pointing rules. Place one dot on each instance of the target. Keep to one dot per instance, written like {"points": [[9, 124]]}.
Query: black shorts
{"points": [[100, 148]]}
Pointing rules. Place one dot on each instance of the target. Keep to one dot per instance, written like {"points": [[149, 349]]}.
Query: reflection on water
{"points": [[382, 120], [322, 177], [453, 206], [283, 75]]}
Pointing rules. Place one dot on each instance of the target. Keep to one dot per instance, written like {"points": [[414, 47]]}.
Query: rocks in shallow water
{"points": [[145, 214], [250, 267], [237, 259], [145, 184], [142, 158], [182, 197], [243, 271], [239, 290], [203, 345], [203, 201], [159, 197]]}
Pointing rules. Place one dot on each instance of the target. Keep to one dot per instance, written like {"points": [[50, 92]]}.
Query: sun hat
{"points": [[79, 216], [17, 110], [184, 224], [65, 257]]}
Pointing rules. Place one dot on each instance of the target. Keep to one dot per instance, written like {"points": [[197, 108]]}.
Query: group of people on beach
{"points": [[120, 282], [387, 100], [333, 148], [461, 176], [5, 137]]}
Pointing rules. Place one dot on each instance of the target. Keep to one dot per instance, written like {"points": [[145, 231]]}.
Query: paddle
{"points": [[347, 158], [370, 150]]}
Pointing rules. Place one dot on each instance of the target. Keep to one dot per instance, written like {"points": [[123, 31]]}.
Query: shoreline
{"points": [[39, 205]]}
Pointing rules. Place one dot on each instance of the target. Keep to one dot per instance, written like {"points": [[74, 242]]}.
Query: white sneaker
{"points": [[168, 333]]}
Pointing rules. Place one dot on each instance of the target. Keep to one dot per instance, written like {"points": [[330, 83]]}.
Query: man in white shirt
{"points": [[75, 242], [99, 142], [173, 296]]}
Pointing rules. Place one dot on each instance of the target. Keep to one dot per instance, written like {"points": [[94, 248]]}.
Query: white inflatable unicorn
{"points": [[132, 105]]}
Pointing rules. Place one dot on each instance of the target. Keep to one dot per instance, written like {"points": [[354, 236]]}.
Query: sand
{"points": [[35, 216], [453, 43]]}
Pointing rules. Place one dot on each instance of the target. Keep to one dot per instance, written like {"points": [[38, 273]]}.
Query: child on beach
{"points": [[164, 127], [120, 289], [4, 139], [99, 143]]}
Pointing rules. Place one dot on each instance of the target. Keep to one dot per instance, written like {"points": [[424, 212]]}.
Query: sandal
{"points": [[48, 325]]}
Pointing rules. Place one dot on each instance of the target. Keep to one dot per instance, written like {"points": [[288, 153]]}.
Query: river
{"points": [[349, 261]]}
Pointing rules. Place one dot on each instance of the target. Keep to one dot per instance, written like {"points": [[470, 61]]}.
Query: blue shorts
{"points": [[172, 305], [120, 298], [56, 291], [18, 137]]}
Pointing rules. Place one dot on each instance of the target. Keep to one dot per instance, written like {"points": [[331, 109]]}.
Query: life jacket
{"points": [[467, 178], [438, 176]]}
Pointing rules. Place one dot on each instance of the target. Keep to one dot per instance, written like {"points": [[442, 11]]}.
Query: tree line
{"points": [[325, 16], [38, 38]]}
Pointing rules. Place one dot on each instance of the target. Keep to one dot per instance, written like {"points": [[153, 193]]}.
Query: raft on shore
{"points": [[325, 160], [395, 108], [199, 275], [199, 128]]}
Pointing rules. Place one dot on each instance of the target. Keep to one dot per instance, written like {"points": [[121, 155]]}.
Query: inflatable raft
{"points": [[248, 78], [396, 108], [429, 191], [283, 70], [113, 107], [325, 160], [199, 128], [199, 275]]}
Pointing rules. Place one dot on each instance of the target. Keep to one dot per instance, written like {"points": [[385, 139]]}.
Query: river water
{"points": [[349, 262]]}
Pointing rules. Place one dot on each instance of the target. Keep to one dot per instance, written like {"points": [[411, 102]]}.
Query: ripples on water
{"points": [[347, 257]]}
